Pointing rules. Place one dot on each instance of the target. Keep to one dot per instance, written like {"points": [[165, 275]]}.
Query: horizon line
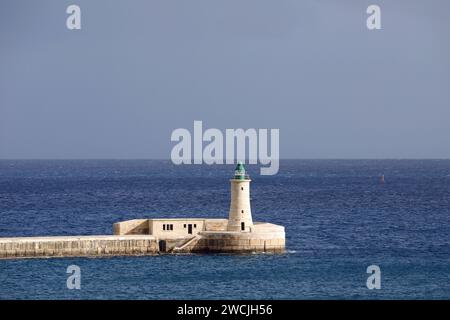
{"points": [[168, 159]]}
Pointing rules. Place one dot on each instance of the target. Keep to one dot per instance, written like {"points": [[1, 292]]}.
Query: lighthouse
{"points": [[240, 216]]}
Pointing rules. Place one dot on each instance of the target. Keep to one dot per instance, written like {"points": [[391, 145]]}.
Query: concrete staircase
{"points": [[184, 246]]}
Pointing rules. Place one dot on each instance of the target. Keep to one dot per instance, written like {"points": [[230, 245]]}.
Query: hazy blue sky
{"points": [[140, 69]]}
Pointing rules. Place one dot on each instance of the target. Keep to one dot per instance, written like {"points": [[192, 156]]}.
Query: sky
{"points": [[137, 70]]}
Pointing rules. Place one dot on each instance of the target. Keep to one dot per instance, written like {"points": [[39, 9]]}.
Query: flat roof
{"points": [[186, 219], [78, 238]]}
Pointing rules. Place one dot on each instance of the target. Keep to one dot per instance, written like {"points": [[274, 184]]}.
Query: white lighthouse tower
{"points": [[240, 216]]}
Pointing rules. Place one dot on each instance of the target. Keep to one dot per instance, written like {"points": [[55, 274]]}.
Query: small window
{"points": [[242, 188], [171, 227], [185, 225], [195, 225], [242, 226], [242, 211], [164, 227]]}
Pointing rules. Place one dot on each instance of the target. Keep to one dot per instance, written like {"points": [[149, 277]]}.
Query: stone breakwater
{"points": [[141, 244], [78, 246], [238, 242]]}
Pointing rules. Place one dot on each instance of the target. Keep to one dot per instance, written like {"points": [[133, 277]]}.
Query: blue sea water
{"points": [[339, 220]]}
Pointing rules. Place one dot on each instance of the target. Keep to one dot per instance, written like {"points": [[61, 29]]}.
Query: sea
{"points": [[340, 219]]}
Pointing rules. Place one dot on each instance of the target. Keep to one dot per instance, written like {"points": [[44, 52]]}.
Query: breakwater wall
{"points": [[78, 246], [238, 242], [263, 237]]}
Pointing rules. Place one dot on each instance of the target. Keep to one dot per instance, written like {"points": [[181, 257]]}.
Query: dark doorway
{"points": [[162, 245], [190, 228], [242, 226]]}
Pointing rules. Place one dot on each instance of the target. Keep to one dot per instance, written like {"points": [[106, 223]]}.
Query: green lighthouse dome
{"points": [[239, 172]]}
